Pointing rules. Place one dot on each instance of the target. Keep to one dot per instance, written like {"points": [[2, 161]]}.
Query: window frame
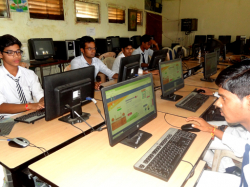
{"points": [[141, 15], [47, 16], [7, 10], [116, 20], [83, 21]]}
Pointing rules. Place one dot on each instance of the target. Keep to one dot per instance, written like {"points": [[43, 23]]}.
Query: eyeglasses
{"points": [[12, 53], [90, 49]]}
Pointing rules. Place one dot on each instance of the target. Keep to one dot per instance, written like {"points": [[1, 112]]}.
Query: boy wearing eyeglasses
{"points": [[88, 49], [18, 85]]}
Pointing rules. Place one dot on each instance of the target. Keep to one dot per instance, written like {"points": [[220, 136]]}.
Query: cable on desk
{"points": [[192, 174], [169, 123], [157, 88], [98, 110], [41, 149]]}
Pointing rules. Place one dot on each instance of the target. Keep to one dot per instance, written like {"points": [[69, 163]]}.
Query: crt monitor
{"points": [[128, 106], [67, 92], [115, 42], [210, 66], [200, 39], [154, 63], [225, 39], [171, 77], [129, 67], [136, 41], [41, 48]]}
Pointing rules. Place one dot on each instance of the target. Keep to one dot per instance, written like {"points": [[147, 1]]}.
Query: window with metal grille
{"points": [[116, 15], [4, 10], [139, 18], [46, 9], [87, 12]]}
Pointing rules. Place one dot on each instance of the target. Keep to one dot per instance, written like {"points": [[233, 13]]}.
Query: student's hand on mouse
{"points": [[97, 85], [204, 126], [207, 91]]}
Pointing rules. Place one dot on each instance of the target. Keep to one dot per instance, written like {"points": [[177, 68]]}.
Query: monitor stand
{"points": [[172, 97], [207, 79], [136, 139], [72, 118]]}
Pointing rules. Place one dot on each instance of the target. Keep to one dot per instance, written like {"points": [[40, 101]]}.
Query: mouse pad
{"points": [[6, 127]]}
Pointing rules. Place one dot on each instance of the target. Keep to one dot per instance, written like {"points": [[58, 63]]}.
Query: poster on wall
{"points": [[132, 20], [18, 5]]}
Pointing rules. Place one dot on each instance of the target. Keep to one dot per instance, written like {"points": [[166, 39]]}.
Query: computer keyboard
{"points": [[164, 156], [6, 127], [192, 102], [31, 117]]}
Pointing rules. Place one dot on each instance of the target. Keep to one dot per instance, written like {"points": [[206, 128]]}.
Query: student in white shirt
{"points": [[234, 104], [15, 99], [144, 50], [126, 51], [87, 58], [17, 84]]}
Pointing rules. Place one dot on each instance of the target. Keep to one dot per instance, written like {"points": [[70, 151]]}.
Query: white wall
{"points": [[216, 17], [21, 26]]}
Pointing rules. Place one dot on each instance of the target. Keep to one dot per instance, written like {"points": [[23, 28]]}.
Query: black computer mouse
{"points": [[101, 87], [188, 127], [19, 142], [201, 91]]}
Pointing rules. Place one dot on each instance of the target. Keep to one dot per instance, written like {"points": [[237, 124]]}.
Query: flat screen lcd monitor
{"points": [[217, 50], [154, 64], [41, 48], [171, 77], [65, 89], [200, 39], [129, 67], [210, 66], [128, 106]]}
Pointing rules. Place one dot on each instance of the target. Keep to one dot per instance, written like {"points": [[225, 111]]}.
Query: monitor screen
{"points": [[154, 64], [41, 48], [124, 68], [200, 39], [210, 66], [68, 89], [217, 50], [171, 77], [115, 42], [128, 106]]}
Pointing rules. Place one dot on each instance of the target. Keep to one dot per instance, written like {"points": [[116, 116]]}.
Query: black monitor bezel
{"points": [[32, 49], [157, 53], [135, 127], [206, 75], [51, 82], [125, 61], [174, 89]]}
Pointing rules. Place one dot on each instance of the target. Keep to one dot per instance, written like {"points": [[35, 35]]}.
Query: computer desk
{"points": [[91, 161], [51, 135]]}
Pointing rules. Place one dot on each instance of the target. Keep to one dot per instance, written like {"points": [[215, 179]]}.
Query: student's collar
{"points": [[8, 73], [141, 50], [85, 61]]}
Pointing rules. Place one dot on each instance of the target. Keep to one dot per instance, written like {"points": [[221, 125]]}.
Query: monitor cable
{"points": [[98, 110], [31, 145], [80, 118]]}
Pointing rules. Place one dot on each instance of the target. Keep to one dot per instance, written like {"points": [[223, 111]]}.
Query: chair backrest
{"points": [[67, 68], [108, 54], [170, 52], [109, 61], [25, 65], [183, 48]]}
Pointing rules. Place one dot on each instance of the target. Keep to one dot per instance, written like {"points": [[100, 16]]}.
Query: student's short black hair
{"points": [[126, 44], [145, 38], [85, 39], [236, 79], [8, 40]]}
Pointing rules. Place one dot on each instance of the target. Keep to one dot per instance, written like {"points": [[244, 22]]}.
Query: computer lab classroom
{"points": [[133, 131]]}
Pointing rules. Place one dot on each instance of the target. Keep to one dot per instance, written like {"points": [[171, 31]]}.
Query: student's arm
{"points": [[7, 108], [115, 76], [76, 63], [236, 144], [155, 44]]}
